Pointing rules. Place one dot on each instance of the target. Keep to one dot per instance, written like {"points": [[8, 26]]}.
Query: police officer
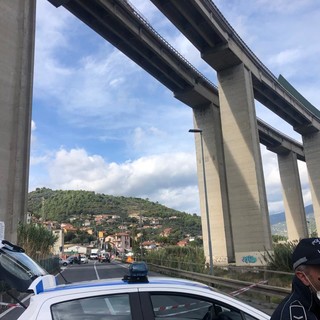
{"points": [[304, 301]]}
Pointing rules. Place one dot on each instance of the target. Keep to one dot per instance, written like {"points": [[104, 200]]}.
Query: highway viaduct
{"points": [[239, 221], [188, 85]]}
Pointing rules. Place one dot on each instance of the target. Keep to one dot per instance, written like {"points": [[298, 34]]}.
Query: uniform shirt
{"points": [[301, 304]]}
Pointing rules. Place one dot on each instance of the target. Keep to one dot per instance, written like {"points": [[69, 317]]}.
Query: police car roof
{"points": [[116, 282]]}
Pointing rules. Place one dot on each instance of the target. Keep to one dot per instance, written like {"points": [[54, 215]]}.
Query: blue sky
{"points": [[101, 123]]}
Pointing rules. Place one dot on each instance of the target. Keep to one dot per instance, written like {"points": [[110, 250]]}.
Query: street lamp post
{"points": [[141, 249], [206, 198]]}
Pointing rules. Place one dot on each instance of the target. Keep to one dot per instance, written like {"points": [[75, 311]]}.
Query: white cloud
{"points": [[286, 57], [33, 137], [33, 125], [167, 178], [34, 160]]}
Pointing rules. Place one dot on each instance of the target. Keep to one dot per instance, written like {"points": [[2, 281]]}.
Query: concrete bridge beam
{"points": [[245, 181], [292, 196], [17, 25]]}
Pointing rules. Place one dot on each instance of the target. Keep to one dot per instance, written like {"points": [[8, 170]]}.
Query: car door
{"points": [[184, 306], [92, 306]]}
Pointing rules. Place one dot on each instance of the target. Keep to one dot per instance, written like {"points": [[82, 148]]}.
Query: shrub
{"points": [[36, 240], [280, 258], [186, 258]]}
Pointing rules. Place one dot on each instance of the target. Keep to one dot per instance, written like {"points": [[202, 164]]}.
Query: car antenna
{"points": [[62, 276], [16, 299]]}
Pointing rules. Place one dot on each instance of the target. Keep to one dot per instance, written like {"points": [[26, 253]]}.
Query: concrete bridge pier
{"points": [[17, 25], [208, 119], [311, 144], [244, 171], [292, 196]]}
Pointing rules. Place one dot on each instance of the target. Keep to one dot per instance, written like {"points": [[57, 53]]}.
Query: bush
{"points": [[36, 240], [185, 258], [280, 259]]}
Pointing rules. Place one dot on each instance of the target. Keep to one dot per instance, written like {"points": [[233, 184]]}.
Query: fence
{"points": [[257, 292]]}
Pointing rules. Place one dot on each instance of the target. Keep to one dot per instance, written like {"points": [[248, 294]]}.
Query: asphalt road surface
{"points": [[74, 273]]}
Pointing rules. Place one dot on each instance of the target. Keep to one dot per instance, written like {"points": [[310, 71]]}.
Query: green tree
{"points": [[69, 236], [280, 258], [36, 240]]}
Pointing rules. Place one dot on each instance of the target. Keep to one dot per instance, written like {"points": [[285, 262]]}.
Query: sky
{"points": [[102, 123]]}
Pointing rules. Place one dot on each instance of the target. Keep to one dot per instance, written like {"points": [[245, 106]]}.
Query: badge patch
{"points": [[297, 313]]}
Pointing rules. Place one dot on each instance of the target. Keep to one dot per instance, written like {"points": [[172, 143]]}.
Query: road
{"points": [[74, 273]]}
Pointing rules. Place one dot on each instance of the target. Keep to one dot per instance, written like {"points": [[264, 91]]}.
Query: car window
{"points": [[113, 307], [179, 306]]}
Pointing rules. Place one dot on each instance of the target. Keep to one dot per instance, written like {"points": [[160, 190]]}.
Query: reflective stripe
{"points": [[300, 261]]}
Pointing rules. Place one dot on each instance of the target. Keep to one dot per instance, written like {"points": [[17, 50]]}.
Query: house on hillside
{"points": [[154, 221], [166, 232], [134, 215], [149, 245], [122, 241], [71, 249], [89, 231], [183, 243], [99, 218], [86, 223], [59, 244], [67, 227]]}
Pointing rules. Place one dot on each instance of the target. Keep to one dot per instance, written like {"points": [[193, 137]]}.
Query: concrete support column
{"points": [[311, 145], [246, 187], [208, 119], [292, 196], [17, 33]]}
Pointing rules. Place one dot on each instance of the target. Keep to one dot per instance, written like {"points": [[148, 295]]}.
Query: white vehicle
{"points": [[84, 259], [163, 298], [64, 262], [135, 297], [93, 256]]}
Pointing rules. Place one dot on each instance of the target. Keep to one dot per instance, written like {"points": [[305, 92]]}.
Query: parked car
{"points": [[104, 257], [163, 298], [63, 262], [93, 256], [84, 259], [71, 259]]}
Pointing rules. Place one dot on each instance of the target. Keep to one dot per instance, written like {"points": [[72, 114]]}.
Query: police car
{"points": [[135, 297]]}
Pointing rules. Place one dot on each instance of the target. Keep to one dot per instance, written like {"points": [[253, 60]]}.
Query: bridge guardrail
{"points": [[267, 290]]}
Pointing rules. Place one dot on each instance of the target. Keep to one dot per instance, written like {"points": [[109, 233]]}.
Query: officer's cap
{"points": [[307, 252]]}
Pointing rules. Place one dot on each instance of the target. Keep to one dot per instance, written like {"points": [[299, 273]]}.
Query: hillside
{"points": [[61, 205], [278, 222], [280, 217]]}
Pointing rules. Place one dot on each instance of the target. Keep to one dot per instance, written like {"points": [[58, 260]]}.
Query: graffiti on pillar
{"points": [[249, 259], [220, 259]]}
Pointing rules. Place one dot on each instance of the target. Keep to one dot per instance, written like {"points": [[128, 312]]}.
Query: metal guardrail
{"points": [[166, 44], [267, 290]]}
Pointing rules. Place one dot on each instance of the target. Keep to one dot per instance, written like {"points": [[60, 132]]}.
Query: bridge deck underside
{"points": [[119, 25], [203, 24]]}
